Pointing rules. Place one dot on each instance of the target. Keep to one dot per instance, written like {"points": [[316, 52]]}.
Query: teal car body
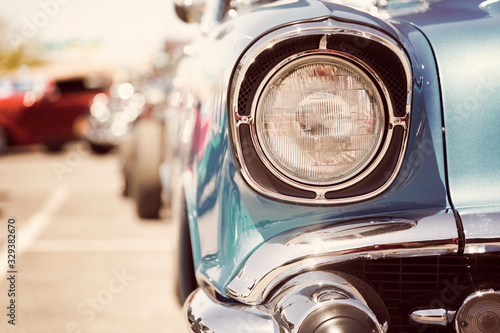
{"points": [[424, 216]]}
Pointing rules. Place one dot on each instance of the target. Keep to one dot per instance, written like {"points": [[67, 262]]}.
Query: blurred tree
{"points": [[15, 49], [166, 62]]}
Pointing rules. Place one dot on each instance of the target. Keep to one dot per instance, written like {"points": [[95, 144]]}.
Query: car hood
{"points": [[465, 35]]}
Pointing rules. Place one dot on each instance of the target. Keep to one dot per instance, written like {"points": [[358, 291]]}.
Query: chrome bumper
{"points": [[268, 290], [205, 314], [304, 303], [101, 134]]}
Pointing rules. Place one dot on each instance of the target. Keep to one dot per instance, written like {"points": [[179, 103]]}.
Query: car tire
{"points": [[100, 149], [124, 152], [185, 279], [145, 180], [54, 146], [4, 141]]}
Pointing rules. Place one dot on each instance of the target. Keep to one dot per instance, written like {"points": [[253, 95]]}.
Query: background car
{"points": [[340, 167], [111, 116], [129, 117], [41, 110], [143, 140]]}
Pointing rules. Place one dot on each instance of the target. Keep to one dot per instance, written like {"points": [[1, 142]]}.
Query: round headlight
{"points": [[320, 119]]}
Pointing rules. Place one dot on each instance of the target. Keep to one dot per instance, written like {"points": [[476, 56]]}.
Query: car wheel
{"points": [[54, 146], [125, 157], [4, 141], [127, 181], [126, 184], [100, 149], [185, 279], [146, 182]]}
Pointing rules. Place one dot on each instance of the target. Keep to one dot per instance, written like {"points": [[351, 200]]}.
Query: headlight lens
{"points": [[320, 119]]}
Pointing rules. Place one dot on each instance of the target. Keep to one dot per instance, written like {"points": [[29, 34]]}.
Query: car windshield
{"points": [[9, 87], [23, 85]]}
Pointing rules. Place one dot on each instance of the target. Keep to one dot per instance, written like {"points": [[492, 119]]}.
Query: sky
{"points": [[124, 29]]}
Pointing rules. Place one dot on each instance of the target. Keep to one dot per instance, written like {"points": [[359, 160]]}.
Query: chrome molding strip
{"points": [[435, 317], [327, 27], [297, 251], [482, 232]]}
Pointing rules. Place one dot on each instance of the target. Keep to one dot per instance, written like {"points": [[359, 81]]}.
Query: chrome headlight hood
{"points": [[377, 56]]}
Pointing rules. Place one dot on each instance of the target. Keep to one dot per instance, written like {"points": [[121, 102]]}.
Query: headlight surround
{"points": [[372, 52], [320, 119]]}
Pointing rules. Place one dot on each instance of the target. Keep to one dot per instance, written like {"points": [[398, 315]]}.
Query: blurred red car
{"points": [[38, 110]]}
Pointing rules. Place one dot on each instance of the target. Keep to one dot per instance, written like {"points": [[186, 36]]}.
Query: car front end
{"points": [[326, 187]]}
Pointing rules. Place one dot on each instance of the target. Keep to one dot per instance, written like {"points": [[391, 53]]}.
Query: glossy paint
{"points": [[228, 220], [465, 39]]}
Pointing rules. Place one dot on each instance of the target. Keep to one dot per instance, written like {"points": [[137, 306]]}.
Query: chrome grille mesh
{"points": [[266, 60]]}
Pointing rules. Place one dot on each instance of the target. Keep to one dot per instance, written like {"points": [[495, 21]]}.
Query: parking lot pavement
{"points": [[83, 261]]}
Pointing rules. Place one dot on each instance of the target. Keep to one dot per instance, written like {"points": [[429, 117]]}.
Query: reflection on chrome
{"points": [[303, 304], [319, 299], [439, 317], [206, 314], [300, 250], [486, 3], [482, 232]]}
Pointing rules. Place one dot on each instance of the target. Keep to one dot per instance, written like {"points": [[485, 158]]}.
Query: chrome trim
{"points": [[307, 293], [326, 27], [205, 314], [296, 251], [437, 317], [288, 309], [482, 232], [323, 43], [206, 285], [385, 136], [462, 326]]}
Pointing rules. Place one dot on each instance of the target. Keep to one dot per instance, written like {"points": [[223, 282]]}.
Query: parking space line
{"points": [[101, 245], [35, 224]]}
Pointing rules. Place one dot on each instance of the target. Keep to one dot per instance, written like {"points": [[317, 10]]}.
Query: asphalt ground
{"points": [[83, 261]]}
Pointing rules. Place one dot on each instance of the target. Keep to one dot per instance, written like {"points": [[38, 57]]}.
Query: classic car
{"points": [[130, 117], [340, 167], [110, 116], [43, 110], [123, 117]]}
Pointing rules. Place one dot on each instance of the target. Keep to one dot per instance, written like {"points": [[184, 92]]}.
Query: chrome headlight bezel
{"points": [[314, 38]]}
